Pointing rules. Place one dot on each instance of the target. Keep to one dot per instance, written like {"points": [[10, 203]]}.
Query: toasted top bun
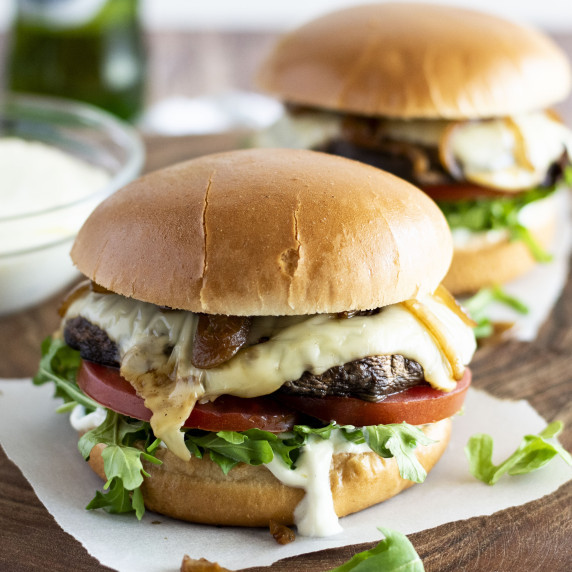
{"points": [[266, 232], [417, 60]]}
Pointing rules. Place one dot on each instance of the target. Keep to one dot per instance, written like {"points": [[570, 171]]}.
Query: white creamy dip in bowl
{"points": [[58, 160]]}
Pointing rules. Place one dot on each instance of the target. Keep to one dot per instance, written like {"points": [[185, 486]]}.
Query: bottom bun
{"points": [[198, 491], [473, 269]]}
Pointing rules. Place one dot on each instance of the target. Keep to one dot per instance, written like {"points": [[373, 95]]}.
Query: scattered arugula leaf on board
{"points": [[394, 553], [478, 306], [568, 175], [532, 454]]}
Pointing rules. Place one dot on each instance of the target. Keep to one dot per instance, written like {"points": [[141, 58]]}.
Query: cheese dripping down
{"points": [[155, 348]]}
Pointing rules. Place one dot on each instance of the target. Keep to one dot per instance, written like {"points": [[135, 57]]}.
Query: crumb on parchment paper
{"points": [[203, 565]]}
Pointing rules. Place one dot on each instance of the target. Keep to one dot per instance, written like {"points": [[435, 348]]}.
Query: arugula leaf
{"points": [[520, 232], [394, 553], [532, 454], [255, 447], [228, 448], [399, 441], [122, 462], [568, 175], [478, 306], [116, 500], [59, 365], [500, 213], [304, 431], [486, 296]]}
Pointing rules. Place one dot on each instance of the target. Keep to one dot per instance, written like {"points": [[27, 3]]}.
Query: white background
{"points": [[552, 15]]}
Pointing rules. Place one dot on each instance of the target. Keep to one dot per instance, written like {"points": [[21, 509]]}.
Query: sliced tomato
{"points": [[462, 192], [227, 413], [416, 405]]}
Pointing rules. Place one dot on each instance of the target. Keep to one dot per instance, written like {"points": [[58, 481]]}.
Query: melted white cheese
{"points": [[300, 131], [155, 349], [489, 152], [494, 154], [505, 153]]}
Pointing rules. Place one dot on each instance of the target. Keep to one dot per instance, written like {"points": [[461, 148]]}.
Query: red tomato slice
{"points": [[227, 413], [416, 405], [463, 192]]}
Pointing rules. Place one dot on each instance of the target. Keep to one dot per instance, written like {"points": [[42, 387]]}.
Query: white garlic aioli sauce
{"points": [[300, 131], [297, 344], [82, 421], [36, 176], [35, 236], [315, 514], [487, 150]]}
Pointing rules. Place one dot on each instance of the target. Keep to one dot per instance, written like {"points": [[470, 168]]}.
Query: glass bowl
{"points": [[35, 241]]}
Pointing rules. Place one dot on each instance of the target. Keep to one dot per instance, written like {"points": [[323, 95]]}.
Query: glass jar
{"points": [[89, 50]]}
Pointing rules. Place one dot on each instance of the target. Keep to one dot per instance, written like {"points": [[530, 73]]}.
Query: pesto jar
{"points": [[89, 50]]}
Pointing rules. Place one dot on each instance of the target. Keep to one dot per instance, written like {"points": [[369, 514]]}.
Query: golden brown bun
{"points": [[498, 263], [417, 60], [198, 491], [266, 232]]}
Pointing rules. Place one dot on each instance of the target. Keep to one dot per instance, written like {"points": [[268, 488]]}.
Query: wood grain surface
{"points": [[532, 537]]}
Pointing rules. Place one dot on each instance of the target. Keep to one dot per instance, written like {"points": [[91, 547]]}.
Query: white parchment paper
{"points": [[44, 447]]}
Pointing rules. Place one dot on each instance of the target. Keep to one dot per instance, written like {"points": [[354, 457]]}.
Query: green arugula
{"points": [[478, 305], [228, 448], [59, 365], [568, 175], [255, 447], [532, 454], [501, 213], [118, 500], [394, 553], [122, 462], [399, 441]]}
